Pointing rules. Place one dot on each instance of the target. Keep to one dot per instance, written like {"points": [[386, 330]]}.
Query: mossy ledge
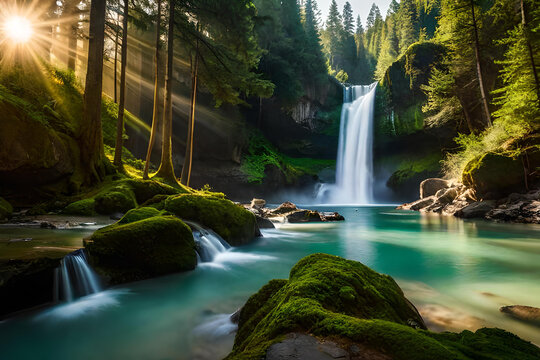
{"points": [[232, 222], [330, 297], [152, 246]]}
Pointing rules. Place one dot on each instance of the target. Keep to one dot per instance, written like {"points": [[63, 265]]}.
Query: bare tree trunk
{"points": [[529, 46], [259, 119], [479, 68], [90, 137], [166, 169], [115, 80], [73, 28], [156, 95], [188, 159], [121, 105]]}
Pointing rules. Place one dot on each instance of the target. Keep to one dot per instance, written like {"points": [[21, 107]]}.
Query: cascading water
{"points": [[75, 278], [354, 170], [209, 244]]}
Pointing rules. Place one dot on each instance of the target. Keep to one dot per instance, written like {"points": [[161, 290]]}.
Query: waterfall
{"points": [[75, 278], [209, 244], [354, 169]]}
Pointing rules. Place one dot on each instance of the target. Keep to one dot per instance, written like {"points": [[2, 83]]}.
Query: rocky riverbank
{"points": [[448, 197]]}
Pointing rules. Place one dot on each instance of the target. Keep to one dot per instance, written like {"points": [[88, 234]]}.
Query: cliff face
{"points": [[406, 150]]}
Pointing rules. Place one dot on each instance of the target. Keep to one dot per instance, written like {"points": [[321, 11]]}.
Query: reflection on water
{"points": [[458, 273]]}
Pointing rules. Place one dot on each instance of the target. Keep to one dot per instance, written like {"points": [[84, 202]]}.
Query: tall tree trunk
{"points": [[479, 68], [166, 169], [115, 75], [90, 137], [188, 159], [121, 105], [73, 28], [529, 46], [155, 113]]}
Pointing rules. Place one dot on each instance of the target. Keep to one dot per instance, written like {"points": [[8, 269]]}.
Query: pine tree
{"points": [[348, 20]]}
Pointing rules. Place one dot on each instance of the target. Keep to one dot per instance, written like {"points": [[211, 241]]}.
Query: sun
{"points": [[18, 29]]}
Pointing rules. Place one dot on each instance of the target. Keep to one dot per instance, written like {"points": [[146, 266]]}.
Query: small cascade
{"points": [[354, 168], [75, 278], [209, 244]]}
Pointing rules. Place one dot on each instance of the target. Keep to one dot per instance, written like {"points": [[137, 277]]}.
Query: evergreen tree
{"points": [[348, 20]]}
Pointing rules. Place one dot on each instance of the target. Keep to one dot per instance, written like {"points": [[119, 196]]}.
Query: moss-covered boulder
{"points": [[145, 190], [5, 209], [494, 175], [84, 207], [232, 222], [330, 297], [142, 249], [139, 214], [118, 199]]}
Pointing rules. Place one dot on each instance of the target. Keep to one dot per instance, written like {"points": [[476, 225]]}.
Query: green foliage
{"points": [[232, 222], [261, 155], [328, 296], [5, 209]]}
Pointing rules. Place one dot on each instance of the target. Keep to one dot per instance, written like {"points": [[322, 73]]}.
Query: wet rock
{"points": [[429, 187], [446, 196], [477, 209], [26, 283], [528, 314], [264, 223], [418, 204], [302, 346], [257, 203], [302, 216], [284, 208], [332, 216], [235, 316]]}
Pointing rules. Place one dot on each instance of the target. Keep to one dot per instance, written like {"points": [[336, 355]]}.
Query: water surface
{"points": [[457, 272]]}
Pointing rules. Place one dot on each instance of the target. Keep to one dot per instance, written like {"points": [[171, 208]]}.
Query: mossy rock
{"points": [[139, 214], [494, 175], [343, 300], [84, 207], [232, 222], [157, 202], [142, 249], [5, 209], [118, 199], [145, 190]]}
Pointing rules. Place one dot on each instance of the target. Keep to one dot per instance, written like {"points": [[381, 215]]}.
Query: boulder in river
{"points": [[332, 308], [429, 187], [477, 209], [528, 314], [142, 249]]}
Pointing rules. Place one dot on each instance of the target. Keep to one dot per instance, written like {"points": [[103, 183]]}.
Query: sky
{"points": [[360, 7]]}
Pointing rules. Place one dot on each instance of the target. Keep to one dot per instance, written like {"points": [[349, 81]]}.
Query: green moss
{"points": [[5, 209], [328, 296], [232, 222], [261, 155], [139, 214], [142, 249], [84, 207], [119, 199], [495, 174], [157, 202], [414, 168]]}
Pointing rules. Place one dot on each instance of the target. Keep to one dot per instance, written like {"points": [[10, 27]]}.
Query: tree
{"points": [[90, 136], [348, 20], [155, 112], [166, 169], [121, 105], [374, 14]]}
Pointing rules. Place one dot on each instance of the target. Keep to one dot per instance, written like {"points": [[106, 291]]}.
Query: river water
{"points": [[458, 273]]}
